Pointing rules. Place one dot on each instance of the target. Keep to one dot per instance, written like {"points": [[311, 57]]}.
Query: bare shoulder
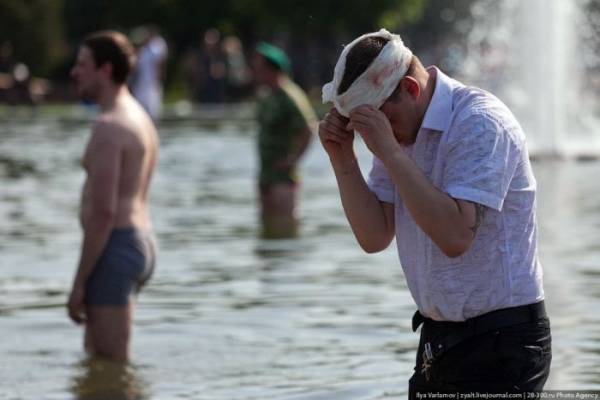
{"points": [[124, 126], [107, 130], [136, 123]]}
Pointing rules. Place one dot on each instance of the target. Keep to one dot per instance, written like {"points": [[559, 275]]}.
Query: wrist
{"points": [[392, 154], [344, 164], [79, 281]]}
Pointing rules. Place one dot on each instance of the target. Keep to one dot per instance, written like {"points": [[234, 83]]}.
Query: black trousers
{"points": [[513, 358]]}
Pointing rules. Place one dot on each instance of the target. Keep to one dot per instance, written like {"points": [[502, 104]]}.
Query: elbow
{"points": [[457, 247], [453, 252], [370, 249], [373, 246]]}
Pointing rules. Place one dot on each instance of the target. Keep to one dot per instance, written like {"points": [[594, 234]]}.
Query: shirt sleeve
{"points": [[380, 183], [481, 159]]}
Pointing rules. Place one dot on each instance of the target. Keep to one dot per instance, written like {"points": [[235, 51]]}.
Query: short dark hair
{"points": [[358, 59], [112, 47]]}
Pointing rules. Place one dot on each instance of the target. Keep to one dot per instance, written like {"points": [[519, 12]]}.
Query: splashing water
{"points": [[539, 57]]}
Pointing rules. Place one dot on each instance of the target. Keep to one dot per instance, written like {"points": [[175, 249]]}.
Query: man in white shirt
{"points": [[451, 180], [148, 74]]}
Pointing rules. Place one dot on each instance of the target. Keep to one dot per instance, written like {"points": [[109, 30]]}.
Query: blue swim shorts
{"points": [[125, 265]]}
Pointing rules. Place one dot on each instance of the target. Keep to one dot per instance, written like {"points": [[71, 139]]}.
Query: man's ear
{"points": [[411, 86]]}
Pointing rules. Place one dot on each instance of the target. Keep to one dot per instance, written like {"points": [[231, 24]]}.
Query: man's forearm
{"points": [[362, 208], [436, 213]]}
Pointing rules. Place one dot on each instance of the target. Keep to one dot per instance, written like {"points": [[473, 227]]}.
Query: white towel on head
{"points": [[377, 82]]}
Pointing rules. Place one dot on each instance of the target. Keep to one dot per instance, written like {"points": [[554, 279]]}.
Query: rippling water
{"points": [[229, 316]]}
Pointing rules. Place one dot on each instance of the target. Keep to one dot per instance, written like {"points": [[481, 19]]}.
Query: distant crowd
{"points": [[214, 70]]}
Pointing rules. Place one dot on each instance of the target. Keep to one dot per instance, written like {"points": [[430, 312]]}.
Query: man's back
{"points": [[125, 136]]}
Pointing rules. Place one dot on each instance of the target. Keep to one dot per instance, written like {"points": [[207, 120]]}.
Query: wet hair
{"points": [[360, 56], [112, 47]]}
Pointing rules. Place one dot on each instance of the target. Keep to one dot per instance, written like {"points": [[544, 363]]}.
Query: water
{"points": [[229, 316], [541, 58]]}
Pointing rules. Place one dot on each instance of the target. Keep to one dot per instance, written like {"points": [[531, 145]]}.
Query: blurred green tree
{"points": [[45, 33], [183, 20], [306, 27], [34, 29]]}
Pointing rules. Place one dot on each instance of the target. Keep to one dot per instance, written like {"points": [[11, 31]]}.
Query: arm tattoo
{"points": [[479, 213]]}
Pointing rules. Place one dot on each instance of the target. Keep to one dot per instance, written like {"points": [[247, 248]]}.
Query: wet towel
{"points": [[378, 81]]}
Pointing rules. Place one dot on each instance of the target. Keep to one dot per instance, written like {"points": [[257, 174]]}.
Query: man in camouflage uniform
{"points": [[286, 124]]}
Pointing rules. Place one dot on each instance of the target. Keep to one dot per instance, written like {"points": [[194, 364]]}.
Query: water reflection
{"points": [[269, 249], [101, 379], [13, 168], [231, 316]]}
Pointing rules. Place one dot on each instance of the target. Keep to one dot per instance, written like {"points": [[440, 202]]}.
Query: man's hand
{"points": [[336, 138], [375, 129], [76, 307]]}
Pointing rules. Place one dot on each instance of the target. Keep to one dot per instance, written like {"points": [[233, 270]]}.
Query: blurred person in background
{"points": [[117, 255], [147, 78], [238, 73], [286, 124], [205, 68], [17, 86], [451, 180]]}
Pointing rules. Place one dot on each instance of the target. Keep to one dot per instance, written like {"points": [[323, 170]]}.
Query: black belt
{"points": [[460, 331]]}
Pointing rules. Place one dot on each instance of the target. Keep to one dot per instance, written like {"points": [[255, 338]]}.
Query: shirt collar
{"points": [[438, 114]]}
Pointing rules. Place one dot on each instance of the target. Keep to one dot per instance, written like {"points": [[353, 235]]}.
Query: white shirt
{"points": [[147, 87], [470, 146]]}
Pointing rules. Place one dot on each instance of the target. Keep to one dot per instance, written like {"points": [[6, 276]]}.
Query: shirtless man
{"points": [[117, 255]]}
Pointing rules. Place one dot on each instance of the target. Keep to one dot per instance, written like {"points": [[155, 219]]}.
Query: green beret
{"points": [[275, 55]]}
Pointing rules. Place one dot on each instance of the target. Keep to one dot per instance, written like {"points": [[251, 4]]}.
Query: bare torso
{"points": [[133, 133]]}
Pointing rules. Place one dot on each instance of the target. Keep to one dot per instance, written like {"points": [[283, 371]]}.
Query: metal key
{"points": [[427, 360], [425, 370]]}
